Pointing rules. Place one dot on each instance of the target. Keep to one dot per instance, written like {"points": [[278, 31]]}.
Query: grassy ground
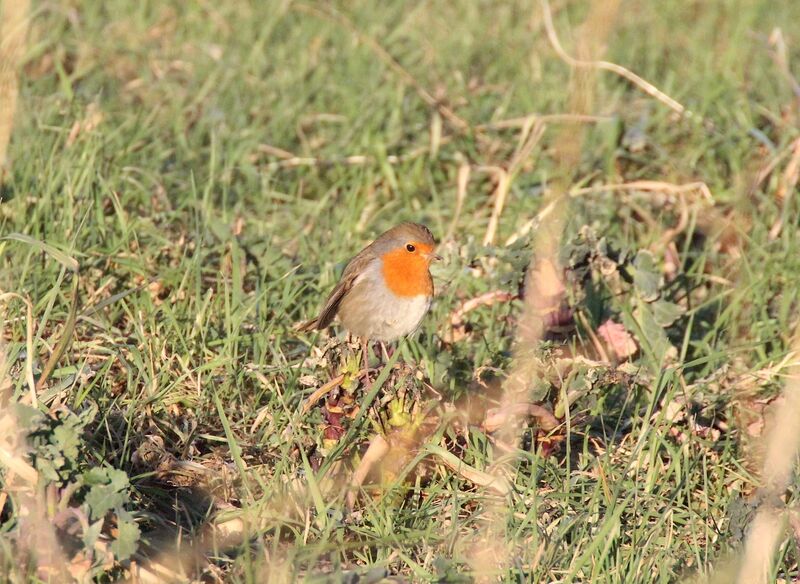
{"points": [[154, 146]]}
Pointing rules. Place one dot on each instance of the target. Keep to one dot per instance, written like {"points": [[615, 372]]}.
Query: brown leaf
{"points": [[618, 339]]}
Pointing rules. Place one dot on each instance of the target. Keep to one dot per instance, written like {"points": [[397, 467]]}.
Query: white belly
{"points": [[371, 310]]}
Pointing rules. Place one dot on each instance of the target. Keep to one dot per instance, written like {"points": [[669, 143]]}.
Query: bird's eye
{"points": [[411, 248]]}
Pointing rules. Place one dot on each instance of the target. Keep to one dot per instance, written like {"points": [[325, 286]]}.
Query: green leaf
{"points": [[92, 533], [651, 335], [67, 440], [96, 476], [127, 539], [102, 498], [109, 490], [48, 470], [581, 381], [87, 416], [119, 479], [666, 313], [646, 276]]}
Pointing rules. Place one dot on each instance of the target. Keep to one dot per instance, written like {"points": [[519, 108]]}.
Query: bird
{"points": [[386, 289]]}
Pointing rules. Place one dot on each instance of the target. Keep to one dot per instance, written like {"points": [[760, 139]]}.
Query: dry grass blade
{"points": [[671, 233], [353, 160], [785, 189], [773, 163], [645, 86], [502, 184], [293, 161], [516, 123], [648, 185], [461, 194], [497, 483], [318, 394], [781, 57], [530, 135], [587, 327]]}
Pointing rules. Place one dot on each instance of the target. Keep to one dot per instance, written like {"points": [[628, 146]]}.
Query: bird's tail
{"points": [[308, 325]]}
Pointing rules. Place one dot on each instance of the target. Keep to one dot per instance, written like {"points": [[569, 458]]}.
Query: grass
{"points": [[148, 147]]}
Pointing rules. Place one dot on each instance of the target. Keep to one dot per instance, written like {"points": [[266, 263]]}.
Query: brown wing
{"points": [[351, 272]]}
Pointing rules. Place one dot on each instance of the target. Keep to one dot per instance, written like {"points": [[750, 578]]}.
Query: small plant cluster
{"points": [[87, 503]]}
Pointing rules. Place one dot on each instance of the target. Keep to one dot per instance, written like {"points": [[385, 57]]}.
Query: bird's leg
{"points": [[377, 348], [383, 350]]}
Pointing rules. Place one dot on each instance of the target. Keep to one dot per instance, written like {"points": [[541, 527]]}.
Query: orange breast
{"points": [[406, 274]]}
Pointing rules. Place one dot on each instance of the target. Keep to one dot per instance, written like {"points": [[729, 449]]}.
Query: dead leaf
{"points": [[618, 339], [307, 380]]}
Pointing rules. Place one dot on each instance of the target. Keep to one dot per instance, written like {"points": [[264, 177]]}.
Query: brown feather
{"points": [[354, 267]]}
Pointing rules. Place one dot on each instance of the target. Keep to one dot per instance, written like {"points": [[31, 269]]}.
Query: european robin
{"points": [[386, 289]]}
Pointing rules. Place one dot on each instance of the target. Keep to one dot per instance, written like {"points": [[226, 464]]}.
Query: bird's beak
{"points": [[431, 257]]}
